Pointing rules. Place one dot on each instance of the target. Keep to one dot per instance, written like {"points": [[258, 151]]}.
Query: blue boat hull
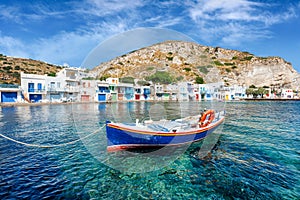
{"points": [[120, 138]]}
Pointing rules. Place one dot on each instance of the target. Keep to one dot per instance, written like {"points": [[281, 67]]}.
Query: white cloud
{"points": [[237, 33], [8, 13], [73, 47], [224, 10], [163, 21], [270, 19], [235, 21], [12, 46], [108, 7], [64, 47], [42, 11], [14, 14], [169, 22], [167, 4]]}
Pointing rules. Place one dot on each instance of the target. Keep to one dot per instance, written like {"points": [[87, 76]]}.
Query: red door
{"points": [[137, 97]]}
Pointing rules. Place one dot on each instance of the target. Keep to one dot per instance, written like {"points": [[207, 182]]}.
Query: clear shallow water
{"points": [[257, 155]]}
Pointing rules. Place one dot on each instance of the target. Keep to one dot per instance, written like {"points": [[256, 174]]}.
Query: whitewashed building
{"points": [[211, 91], [65, 86], [112, 90], [33, 87], [125, 91], [183, 92], [287, 93], [162, 92], [217, 91], [234, 92], [102, 91], [87, 90]]}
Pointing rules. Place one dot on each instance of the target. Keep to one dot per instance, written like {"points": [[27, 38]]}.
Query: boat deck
{"points": [[168, 126]]}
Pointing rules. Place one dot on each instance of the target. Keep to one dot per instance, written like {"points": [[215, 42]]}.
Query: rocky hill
{"points": [[10, 68], [187, 60]]}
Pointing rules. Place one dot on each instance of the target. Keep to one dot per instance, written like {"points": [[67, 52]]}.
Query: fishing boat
{"points": [[153, 134]]}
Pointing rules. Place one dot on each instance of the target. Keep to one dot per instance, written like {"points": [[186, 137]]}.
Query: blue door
{"points": [[30, 87], [35, 97], [8, 97], [101, 97]]}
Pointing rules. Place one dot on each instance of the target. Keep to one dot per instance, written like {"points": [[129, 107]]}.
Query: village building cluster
{"points": [[74, 85]]}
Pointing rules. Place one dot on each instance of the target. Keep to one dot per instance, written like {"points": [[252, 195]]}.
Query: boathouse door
{"points": [[8, 97], [101, 97]]}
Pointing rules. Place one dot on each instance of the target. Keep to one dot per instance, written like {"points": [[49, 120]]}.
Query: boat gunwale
{"points": [[160, 133]]}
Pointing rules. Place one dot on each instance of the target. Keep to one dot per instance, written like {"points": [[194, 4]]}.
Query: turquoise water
{"points": [[256, 156]]}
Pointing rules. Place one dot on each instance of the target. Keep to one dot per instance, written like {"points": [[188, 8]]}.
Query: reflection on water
{"points": [[257, 155]]}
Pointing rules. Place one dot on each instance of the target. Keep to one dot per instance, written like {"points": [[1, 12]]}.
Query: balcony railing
{"points": [[55, 89], [103, 91], [65, 89], [72, 89], [32, 90]]}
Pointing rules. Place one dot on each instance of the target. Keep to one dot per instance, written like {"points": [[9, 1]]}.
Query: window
{"points": [[138, 90], [30, 87], [103, 89], [39, 87]]}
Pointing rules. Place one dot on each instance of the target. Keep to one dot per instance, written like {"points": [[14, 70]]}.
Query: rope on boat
{"points": [[51, 146]]}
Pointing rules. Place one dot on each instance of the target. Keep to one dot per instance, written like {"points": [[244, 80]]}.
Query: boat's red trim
{"points": [[167, 133]]}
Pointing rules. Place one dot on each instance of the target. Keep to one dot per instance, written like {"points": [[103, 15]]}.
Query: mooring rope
{"points": [[51, 146]]}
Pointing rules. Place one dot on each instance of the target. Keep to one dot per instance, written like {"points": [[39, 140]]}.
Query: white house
{"points": [[173, 91], [211, 91], [239, 92], [183, 92], [158, 91], [112, 90], [217, 91], [87, 90], [287, 93], [33, 87], [102, 91], [167, 92], [125, 91], [234, 92], [65, 86]]}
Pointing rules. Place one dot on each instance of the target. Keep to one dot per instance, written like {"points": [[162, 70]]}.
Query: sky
{"points": [[65, 32]]}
